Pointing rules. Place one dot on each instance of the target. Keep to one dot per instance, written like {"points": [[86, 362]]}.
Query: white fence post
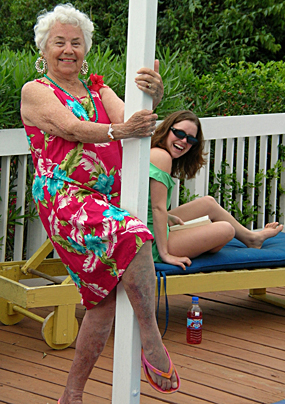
{"points": [[4, 196], [141, 52]]}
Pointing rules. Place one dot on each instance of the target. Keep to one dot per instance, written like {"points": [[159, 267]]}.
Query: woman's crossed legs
{"points": [[212, 237], [139, 283]]}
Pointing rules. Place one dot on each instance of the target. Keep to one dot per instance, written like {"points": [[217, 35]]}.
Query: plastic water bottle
{"points": [[194, 322]]}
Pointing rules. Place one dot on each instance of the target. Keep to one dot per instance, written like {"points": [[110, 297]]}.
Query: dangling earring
{"points": [[84, 67], [40, 69]]}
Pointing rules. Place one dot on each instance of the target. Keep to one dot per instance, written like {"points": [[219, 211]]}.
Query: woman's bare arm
{"points": [[113, 105], [158, 193], [41, 108]]}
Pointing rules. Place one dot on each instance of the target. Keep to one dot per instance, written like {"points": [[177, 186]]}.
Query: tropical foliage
{"points": [[233, 89], [205, 32]]}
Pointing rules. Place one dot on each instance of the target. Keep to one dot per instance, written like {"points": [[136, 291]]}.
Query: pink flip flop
{"points": [[147, 366]]}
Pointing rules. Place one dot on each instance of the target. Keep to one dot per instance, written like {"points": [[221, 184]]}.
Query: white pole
{"points": [[140, 53]]}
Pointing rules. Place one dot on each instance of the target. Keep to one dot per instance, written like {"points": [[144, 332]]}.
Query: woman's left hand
{"points": [[173, 220], [151, 83]]}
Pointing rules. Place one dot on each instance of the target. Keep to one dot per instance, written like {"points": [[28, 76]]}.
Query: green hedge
{"points": [[239, 89], [233, 89]]}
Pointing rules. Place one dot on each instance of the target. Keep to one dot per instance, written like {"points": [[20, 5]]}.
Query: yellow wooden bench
{"points": [[60, 327], [255, 280]]}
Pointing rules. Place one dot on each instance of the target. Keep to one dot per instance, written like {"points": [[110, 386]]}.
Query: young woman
{"points": [[177, 151]]}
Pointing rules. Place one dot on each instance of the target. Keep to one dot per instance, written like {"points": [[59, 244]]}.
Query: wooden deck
{"points": [[241, 359]]}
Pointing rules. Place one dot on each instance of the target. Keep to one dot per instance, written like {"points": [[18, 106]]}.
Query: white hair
{"points": [[65, 14]]}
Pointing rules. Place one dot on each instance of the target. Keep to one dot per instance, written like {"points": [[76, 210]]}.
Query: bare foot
{"points": [[258, 237], [160, 361], [272, 225]]}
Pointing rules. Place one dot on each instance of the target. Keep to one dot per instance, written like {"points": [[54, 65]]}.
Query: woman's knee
{"points": [[146, 249], [223, 231], [228, 230], [210, 200], [106, 307], [141, 265]]}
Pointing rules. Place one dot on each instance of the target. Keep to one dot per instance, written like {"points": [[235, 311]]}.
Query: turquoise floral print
{"points": [[53, 185], [104, 185], [77, 110], [95, 243], [74, 277], [29, 141], [57, 182], [115, 213], [76, 246], [61, 174], [38, 192]]}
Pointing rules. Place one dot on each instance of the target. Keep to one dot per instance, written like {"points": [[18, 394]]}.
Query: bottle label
{"points": [[196, 324]]}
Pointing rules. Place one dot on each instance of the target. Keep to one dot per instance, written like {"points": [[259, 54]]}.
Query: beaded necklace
{"points": [[79, 106]]}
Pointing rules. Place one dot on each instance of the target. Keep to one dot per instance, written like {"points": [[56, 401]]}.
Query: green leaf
{"points": [[65, 244], [72, 160]]}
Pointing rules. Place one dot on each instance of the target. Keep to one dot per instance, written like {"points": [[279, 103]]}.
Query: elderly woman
{"points": [[74, 131]]}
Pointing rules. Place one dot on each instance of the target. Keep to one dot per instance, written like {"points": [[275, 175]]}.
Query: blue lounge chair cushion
{"points": [[234, 255]]}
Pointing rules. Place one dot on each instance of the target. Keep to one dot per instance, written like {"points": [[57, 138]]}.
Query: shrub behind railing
{"points": [[233, 89]]}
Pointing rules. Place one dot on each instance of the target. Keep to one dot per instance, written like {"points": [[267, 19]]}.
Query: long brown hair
{"points": [[190, 163]]}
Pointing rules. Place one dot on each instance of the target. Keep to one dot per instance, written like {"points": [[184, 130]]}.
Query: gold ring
{"points": [[149, 86]]}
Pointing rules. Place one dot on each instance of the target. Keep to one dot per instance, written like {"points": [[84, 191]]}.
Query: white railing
{"points": [[13, 142], [227, 136]]}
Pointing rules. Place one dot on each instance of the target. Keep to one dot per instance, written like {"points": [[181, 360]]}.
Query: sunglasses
{"points": [[181, 135]]}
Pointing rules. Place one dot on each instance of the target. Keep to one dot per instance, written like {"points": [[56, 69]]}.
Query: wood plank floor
{"points": [[241, 359]]}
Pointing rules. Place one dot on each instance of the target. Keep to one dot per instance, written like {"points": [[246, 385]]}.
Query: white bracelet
{"points": [[110, 130]]}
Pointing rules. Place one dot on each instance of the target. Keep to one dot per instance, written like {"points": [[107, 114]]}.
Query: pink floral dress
{"points": [[77, 193]]}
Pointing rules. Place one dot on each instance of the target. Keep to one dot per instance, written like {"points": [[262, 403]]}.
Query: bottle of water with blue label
{"points": [[194, 322]]}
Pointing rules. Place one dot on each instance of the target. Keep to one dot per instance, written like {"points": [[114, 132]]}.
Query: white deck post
{"points": [[141, 53]]}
